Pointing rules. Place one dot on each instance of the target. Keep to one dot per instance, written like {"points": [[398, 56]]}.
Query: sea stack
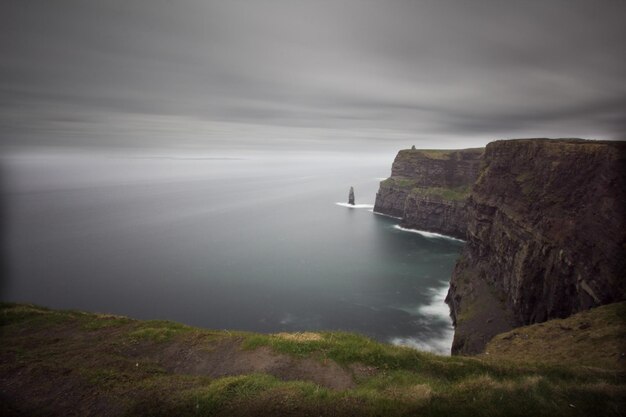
{"points": [[351, 196]]}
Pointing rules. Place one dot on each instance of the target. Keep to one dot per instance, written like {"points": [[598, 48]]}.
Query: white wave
{"points": [[437, 306], [441, 345], [427, 234], [386, 215], [380, 178], [438, 310], [355, 205]]}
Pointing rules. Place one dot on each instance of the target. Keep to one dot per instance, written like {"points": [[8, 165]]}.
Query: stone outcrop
{"points": [[546, 236], [436, 214], [428, 189], [391, 197]]}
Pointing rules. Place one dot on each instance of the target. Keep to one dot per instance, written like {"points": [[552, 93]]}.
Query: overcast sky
{"points": [[319, 74]]}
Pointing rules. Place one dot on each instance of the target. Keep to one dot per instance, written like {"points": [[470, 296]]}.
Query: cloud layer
{"points": [[309, 74]]}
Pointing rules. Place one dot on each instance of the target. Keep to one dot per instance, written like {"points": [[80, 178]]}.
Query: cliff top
{"points": [[70, 362], [563, 140], [438, 167], [555, 178], [554, 146], [440, 154]]}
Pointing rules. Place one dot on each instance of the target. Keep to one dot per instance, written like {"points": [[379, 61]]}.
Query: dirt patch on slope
{"points": [[300, 336], [226, 358]]}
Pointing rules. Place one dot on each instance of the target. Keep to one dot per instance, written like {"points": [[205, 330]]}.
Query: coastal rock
{"points": [[351, 196], [546, 237], [391, 198], [435, 214], [428, 189]]}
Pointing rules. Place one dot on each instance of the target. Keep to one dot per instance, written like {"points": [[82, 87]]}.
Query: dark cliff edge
{"points": [[546, 237], [428, 189]]}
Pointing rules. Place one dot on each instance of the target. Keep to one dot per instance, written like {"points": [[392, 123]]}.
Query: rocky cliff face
{"points": [[546, 237], [436, 214], [428, 189]]}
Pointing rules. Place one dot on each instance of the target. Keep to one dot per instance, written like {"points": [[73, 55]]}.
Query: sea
{"points": [[257, 241]]}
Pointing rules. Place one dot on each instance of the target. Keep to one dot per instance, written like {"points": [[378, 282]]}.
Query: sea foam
{"points": [[386, 215], [441, 345], [355, 205], [437, 306], [427, 234], [436, 310]]}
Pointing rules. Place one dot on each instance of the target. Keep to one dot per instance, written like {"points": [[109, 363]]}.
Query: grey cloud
{"points": [[324, 72]]}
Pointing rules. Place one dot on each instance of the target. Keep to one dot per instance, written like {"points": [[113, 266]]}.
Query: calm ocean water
{"points": [[253, 242]]}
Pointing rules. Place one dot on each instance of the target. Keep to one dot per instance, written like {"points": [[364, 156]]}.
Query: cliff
{"points": [[546, 237], [428, 189]]}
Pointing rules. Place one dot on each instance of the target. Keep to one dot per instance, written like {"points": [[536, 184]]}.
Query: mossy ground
{"points": [[432, 153], [444, 193], [399, 182], [69, 362], [441, 154]]}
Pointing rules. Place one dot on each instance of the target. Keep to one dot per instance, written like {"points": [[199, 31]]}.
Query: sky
{"points": [[312, 75]]}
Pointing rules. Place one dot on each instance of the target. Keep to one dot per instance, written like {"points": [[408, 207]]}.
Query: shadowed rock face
{"points": [[546, 237], [428, 189], [435, 214]]}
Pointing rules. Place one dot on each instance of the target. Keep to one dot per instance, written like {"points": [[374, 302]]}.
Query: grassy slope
{"points": [[68, 362], [594, 337], [443, 154], [399, 182]]}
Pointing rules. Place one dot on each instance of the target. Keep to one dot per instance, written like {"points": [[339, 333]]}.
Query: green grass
{"points": [[158, 331], [446, 193], [441, 154], [343, 348], [68, 360], [105, 321], [435, 153], [399, 182], [595, 337]]}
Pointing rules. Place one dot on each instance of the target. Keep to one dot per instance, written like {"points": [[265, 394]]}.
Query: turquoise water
{"points": [[256, 243]]}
